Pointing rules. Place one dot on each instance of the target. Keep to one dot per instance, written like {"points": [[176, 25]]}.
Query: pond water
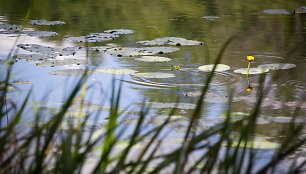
{"points": [[119, 33]]}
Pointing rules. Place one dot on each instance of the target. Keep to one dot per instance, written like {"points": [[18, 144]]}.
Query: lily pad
{"points": [[40, 33], [154, 75], [57, 62], [130, 52], [170, 41], [277, 66], [300, 10], [172, 105], [120, 31], [276, 11], [32, 57], [281, 119], [48, 50], [235, 116], [116, 71], [9, 27], [252, 70], [219, 68], [211, 17], [68, 72], [257, 144], [153, 59], [94, 37], [45, 22]]}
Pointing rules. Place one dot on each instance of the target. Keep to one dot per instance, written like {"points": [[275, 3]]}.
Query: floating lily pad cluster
{"points": [[131, 52], [48, 50], [45, 22], [170, 41]]}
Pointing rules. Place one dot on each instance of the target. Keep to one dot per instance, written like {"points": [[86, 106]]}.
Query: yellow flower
{"points": [[250, 58], [175, 67], [249, 89]]}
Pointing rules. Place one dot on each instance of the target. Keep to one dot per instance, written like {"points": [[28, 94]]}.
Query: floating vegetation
{"points": [[171, 105], [21, 82], [116, 71], [235, 116], [251, 70], [219, 68], [280, 119], [153, 59], [212, 18], [256, 144], [94, 37], [57, 62], [277, 66], [154, 75], [210, 97], [68, 72], [9, 27], [120, 31], [300, 10], [170, 41], [143, 51], [40, 33], [45, 22], [276, 11], [48, 50], [32, 57]]}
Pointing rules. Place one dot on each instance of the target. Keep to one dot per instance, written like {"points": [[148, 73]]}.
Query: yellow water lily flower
{"points": [[250, 58], [175, 67], [249, 89]]}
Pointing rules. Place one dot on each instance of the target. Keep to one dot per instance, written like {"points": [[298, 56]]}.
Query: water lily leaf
{"points": [[21, 82], [116, 71], [94, 37], [170, 41], [154, 75], [120, 31], [9, 27], [252, 71], [45, 22], [281, 119], [276, 11], [57, 62], [211, 17], [153, 59], [40, 33], [130, 52], [69, 72], [172, 105], [277, 66], [219, 68], [257, 144], [300, 10], [235, 116], [48, 50], [32, 57]]}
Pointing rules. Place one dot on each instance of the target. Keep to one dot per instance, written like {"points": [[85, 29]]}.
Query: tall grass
{"points": [[46, 148]]}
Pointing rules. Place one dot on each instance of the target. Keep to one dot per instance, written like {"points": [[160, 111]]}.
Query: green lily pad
{"points": [[172, 105], [277, 66], [154, 75], [211, 17], [68, 72], [94, 37], [252, 71], [120, 31], [45, 22], [57, 62], [130, 52], [40, 33], [276, 11], [32, 57], [116, 71], [235, 116], [219, 68], [153, 59], [48, 50], [300, 10], [170, 41], [9, 27], [257, 144], [281, 119]]}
